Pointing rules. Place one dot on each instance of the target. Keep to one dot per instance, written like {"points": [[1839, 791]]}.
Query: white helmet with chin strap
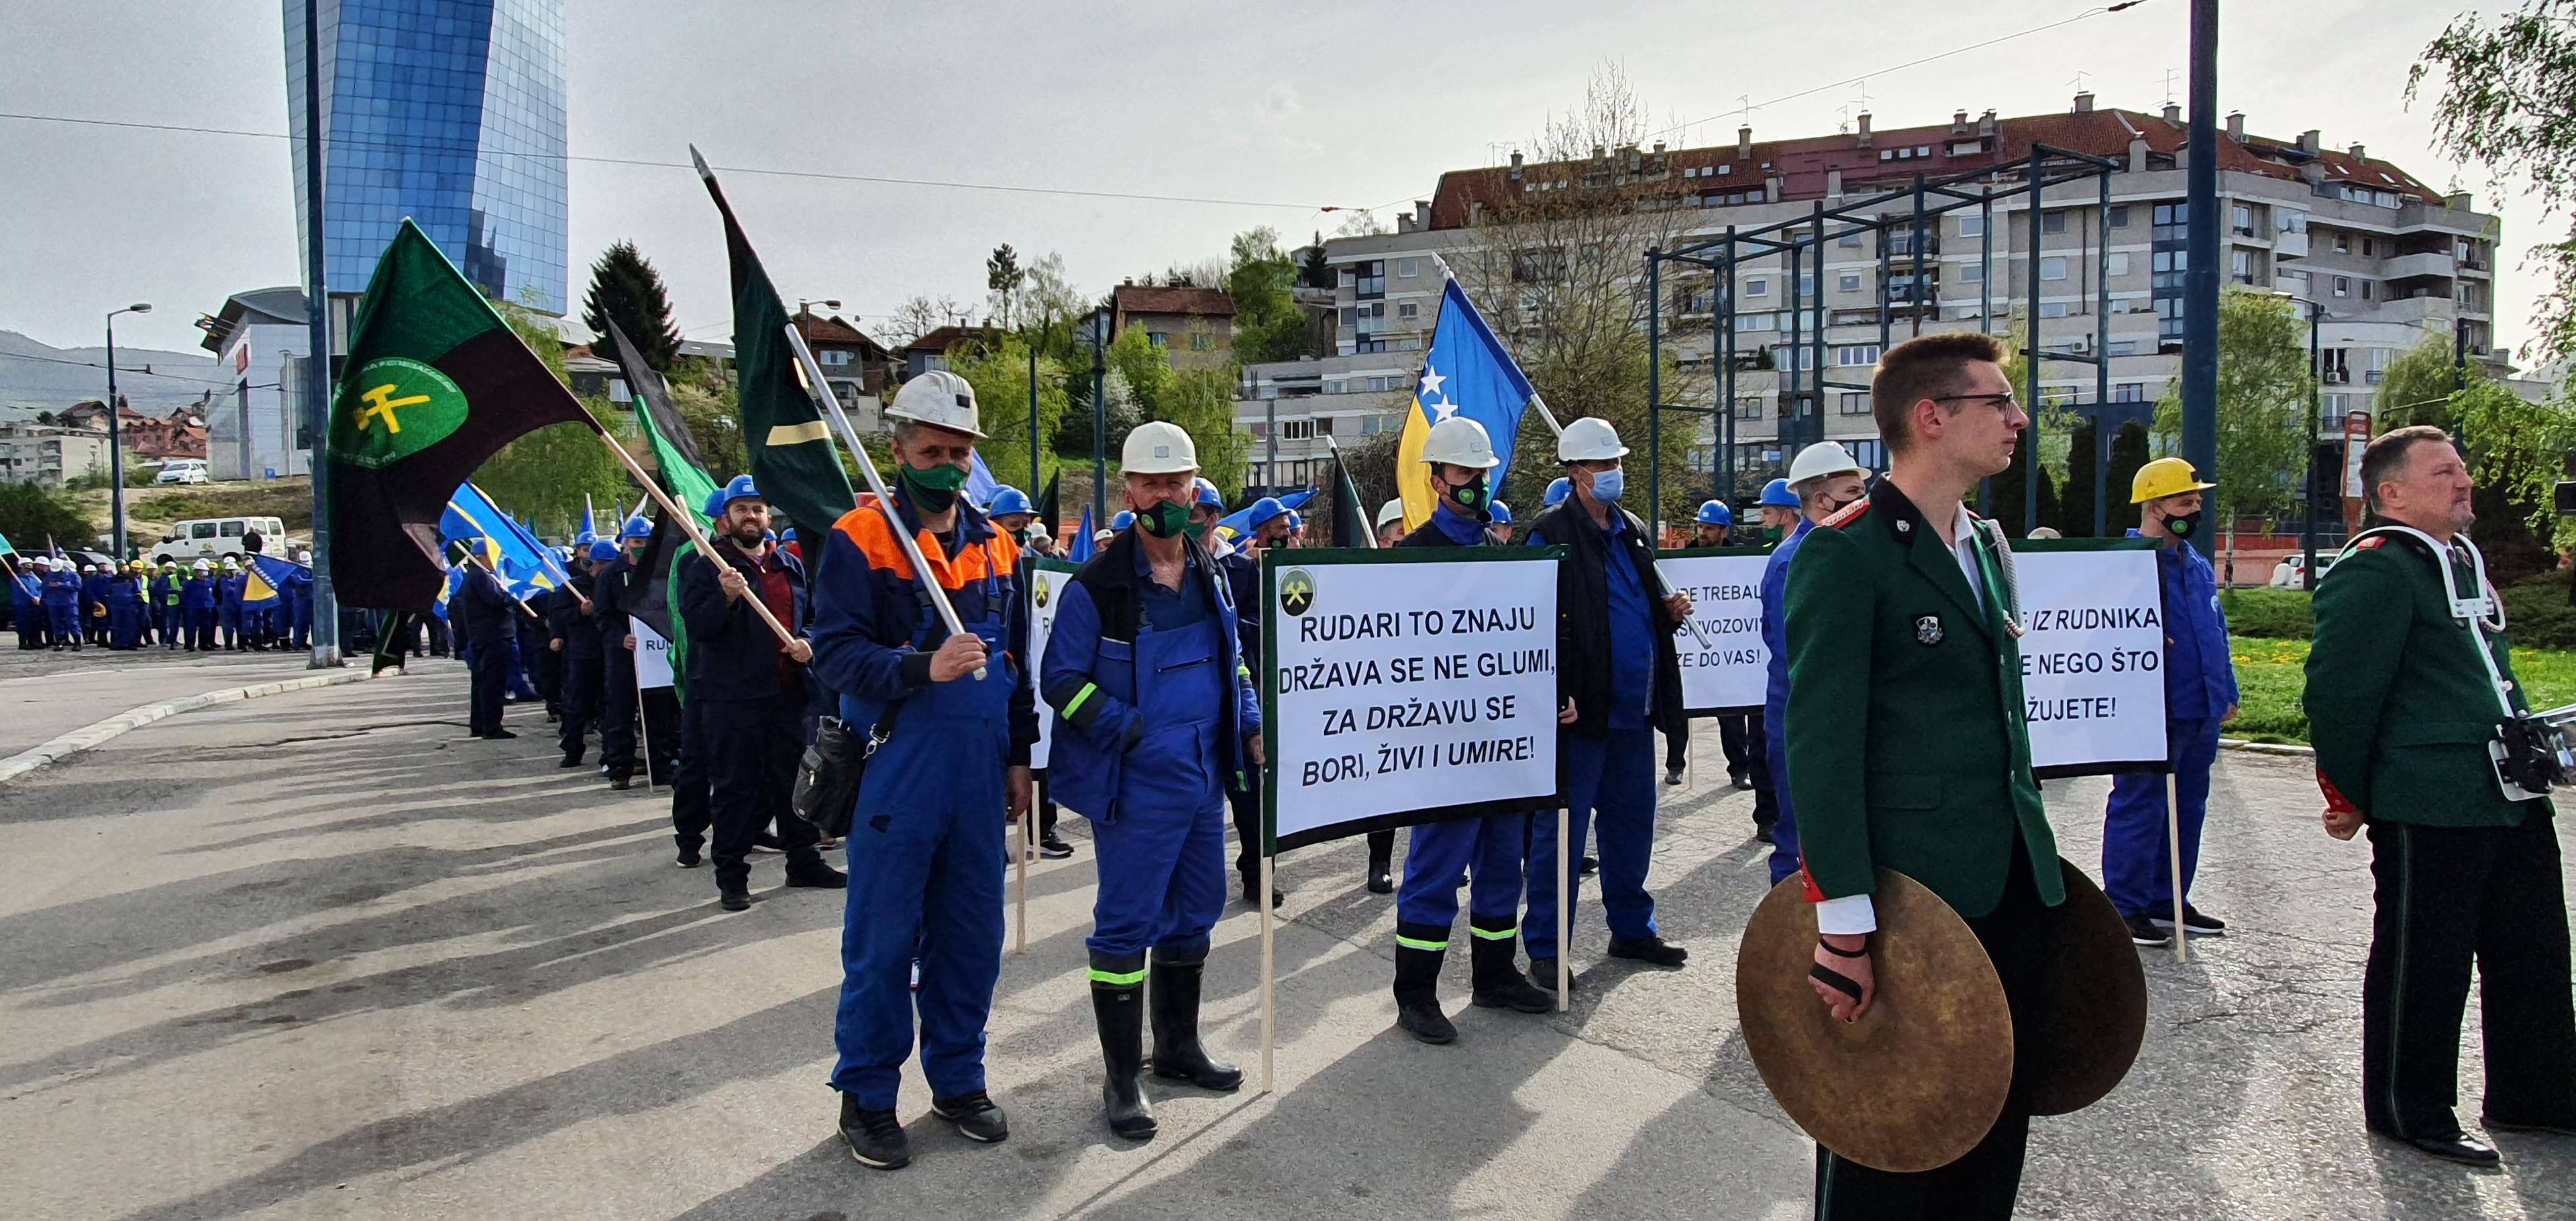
{"points": [[940, 399], [1590, 439], [1460, 441]]}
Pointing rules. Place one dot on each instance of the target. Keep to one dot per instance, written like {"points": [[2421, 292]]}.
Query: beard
{"points": [[747, 534]]}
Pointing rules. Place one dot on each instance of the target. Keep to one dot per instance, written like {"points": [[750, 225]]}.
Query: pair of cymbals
{"points": [[1916, 1082]]}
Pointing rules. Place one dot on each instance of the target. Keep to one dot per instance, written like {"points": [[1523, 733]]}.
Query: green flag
{"points": [[434, 384], [787, 439]]}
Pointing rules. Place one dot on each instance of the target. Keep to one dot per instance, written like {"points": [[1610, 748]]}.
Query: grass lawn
{"points": [[2270, 674]]}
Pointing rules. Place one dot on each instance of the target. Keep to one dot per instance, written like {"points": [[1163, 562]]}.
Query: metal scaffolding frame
{"points": [[1799, 244]]}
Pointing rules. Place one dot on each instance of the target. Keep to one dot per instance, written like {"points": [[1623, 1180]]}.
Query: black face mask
{"points": [[2182, 525], [1473, 497], [1165, 520]]}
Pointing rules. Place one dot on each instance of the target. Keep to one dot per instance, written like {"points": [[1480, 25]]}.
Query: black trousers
{"points": [[581, 690], [690, 809], [1247, 826], [489, 665], [1984, 1182], [751, 753], [2448, 897], [617, 709]]}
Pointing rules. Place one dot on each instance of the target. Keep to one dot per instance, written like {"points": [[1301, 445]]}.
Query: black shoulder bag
{"points": [[827, 778]]}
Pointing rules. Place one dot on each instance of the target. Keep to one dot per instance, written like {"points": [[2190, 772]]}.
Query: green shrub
{"points": [[2266, 614], [2537, 615]]}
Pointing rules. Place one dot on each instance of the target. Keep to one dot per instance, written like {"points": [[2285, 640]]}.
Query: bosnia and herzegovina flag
{"points": [[526, 567], [1466, 373], [785, 436], [434, 384], [265, 578]]}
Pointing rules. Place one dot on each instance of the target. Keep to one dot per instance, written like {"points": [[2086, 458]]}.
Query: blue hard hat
{"points": [[1557, 492], [603, 551], [584, 539], [1295, 522], [564, 554], [1008, 500], [1502, 513], [1209, 497], [788, 536], [1122, 521], [636, 527], [1715, 513], [740, 489], [1776, 494], [1262, 511]]}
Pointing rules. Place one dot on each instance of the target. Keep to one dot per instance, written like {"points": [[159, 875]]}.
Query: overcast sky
{"points": [[1323, 103]]}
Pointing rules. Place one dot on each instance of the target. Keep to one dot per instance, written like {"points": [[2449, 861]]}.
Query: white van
{"points": [[209, 538]]}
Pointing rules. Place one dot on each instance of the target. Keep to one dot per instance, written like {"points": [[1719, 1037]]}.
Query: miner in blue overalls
{"points": [[63, 605], [952, 768], [1823, 479], [1485, 852], [1155, 716], [2200, 693]]}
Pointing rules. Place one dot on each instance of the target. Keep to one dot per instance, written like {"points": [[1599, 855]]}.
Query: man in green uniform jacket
{"points": [[2401, 712], [1907, 748]]}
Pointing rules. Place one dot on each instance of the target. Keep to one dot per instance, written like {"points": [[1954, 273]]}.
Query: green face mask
{"points": [[1165, 520], [1474, 497], [934, 489]]}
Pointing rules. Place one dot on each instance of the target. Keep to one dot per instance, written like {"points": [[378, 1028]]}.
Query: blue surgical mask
{"points": [[1607, 485]]}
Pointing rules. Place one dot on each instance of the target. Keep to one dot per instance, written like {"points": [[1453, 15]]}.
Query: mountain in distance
{"points": [[35, 376]]}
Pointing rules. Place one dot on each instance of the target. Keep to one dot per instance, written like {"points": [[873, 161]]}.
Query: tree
{"points": [[2508, 102], [31, 515], [1259, 277], [546, 475], [625, 289], [919, 315], [1073, 435], [1002, 275], [2262, 403], [998, 369], [709, 404], [2416, 387], [1558, 275], [1201, 401]]}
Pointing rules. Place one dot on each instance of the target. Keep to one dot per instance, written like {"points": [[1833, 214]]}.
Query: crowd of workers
{"points": [[201, 607]]}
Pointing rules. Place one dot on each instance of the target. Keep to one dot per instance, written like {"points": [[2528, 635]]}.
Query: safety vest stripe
{"points": [[866, 526], [1416, 943], [1496, 934], [1118, 979]]}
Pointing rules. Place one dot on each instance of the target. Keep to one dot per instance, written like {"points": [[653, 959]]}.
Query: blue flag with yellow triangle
{"points": [[526, 566], [1468, 375]]}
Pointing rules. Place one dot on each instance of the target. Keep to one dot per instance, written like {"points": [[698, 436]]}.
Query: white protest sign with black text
{"points": [[652, 656], [2092, 660], [1406, 691], [1723, 662], [1047, 579]]}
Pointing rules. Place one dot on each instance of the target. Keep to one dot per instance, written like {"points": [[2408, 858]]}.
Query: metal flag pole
{"points": [[810, 372], [2173, 840]]}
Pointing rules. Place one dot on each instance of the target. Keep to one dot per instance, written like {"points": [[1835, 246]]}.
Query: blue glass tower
{"points": [[450, 112]]}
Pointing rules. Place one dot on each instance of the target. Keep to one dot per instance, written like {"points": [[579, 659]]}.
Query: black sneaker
{"points": [[1673, 777], [1741, 780], [689, 858], [876, 1137], [737, 900], [976, 1117], [2143, 931], [819, 877], [570, 761], [2195, 923], [1053, 848], [1653, 950], [1591, 865], [1426, 1022], [1252, 894]]}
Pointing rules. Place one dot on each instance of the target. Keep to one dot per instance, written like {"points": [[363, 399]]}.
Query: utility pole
{"points": [[1099, 421], [317, 360], [115, 442], [2200, 280]]}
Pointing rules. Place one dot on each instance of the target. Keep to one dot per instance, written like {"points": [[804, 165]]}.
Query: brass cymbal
{"points": [[2091, 1010], [1918, 1080]]}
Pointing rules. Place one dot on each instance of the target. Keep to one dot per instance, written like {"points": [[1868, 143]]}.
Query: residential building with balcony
{"points": [[48, 454], [1193, 326]]}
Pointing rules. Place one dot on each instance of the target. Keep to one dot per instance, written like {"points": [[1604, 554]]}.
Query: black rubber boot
{"points": [[1499, 982], [1178, 1054], [1417, 983], [1381, 867], [1120, 1011]]}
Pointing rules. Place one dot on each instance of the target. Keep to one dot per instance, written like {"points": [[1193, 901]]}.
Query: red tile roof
{"points": [[1204, 302]]}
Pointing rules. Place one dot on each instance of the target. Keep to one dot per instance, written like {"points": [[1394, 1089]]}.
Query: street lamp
{"points": [[802, 303], [115, 450], [2316, 408]]}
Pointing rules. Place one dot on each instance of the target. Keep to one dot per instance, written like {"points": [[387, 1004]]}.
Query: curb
{"points": [[88, 736], [2265, 748]]}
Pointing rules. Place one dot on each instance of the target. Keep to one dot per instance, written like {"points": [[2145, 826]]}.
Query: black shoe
{"points": [[819, 877], [2195, 923], [1499, 983], [1653, 950], [1173, 992], [2546, 1127], [1426, 1022], [735, 900], [553, 717], [1053, 848], [876, 1137], [1252, 894], [1381, 881], [570, 761], [1542, 973], [1741, 780], [689, 858], [1591, 865], [1673, 777], [619, 783], [2458, 1147], [2143, 931], [1763, 831], [498, 735], [976, 1117], [763, 841], [1119, 1011]]}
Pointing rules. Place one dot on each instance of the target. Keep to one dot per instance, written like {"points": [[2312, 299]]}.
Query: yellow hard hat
{"points": [[2164, 477]]}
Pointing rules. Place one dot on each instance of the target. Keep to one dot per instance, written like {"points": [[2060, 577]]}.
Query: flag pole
{"points": [[688, 522], [2173, 840], [811, 374], [1269, 985], [1564, 906], [1028, 844]]}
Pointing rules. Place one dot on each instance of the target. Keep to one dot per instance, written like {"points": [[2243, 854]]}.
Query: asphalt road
{"points": [[44, 694], [320, 955]]}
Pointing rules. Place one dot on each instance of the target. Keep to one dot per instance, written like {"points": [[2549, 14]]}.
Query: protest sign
{"points": [[2092, 655], [1407, 686], [652, 656], [1724, 666], [1047, 579]]}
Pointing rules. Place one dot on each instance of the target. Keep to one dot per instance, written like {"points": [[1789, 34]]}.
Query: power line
{"points": [[875, 180], [137, 371]]}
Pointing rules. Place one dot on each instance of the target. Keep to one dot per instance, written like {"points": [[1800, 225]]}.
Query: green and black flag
{"points": [[1047, 503], [1350, 521], [434, 384], [786, 437], [683, 475]]}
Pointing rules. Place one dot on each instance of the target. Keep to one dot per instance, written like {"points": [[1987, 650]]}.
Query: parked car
{"points": [[2290, 573], [182, 470]]}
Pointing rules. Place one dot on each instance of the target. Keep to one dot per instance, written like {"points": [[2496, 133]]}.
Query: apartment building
{"points": [[48, 454], [2389, 260]]}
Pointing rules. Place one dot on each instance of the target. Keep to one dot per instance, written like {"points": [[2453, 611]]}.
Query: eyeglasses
{"points": [[2003, 401]]}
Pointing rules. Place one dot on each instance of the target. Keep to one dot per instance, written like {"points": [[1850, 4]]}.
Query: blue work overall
{"points": [[1487, 852], [1162, 843], [925, 856]]}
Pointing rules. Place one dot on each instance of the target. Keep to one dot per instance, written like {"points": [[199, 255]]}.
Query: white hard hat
{"points": [[1822, 458], [938, 398], [1394, 511], [1158, 448], [1590, 439], [89, 568], [1460, 441], [201, 566]]}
